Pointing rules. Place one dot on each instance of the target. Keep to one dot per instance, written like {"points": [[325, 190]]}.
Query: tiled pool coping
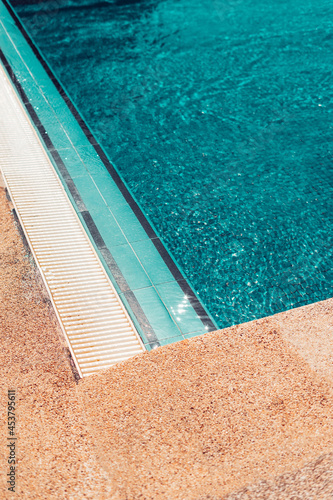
{"points": [[160, 300]]}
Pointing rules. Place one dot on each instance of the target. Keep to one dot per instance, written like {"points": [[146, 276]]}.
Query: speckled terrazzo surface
{"points": [[244, 413]]}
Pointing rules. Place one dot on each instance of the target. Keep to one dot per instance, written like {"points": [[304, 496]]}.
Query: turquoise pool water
{"points": [[218, 115]]}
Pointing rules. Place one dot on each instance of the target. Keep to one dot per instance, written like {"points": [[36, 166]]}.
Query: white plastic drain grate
{"points": [[94, 320]]}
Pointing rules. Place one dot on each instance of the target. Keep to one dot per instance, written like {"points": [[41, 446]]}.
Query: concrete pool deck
{"points": [[242, 413]]}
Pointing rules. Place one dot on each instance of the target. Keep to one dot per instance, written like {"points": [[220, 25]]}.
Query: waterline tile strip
{"points": [[97, 326], [136, 260]]}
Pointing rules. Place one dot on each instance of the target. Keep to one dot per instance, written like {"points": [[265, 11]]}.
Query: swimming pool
{"points": [[218, 115]]}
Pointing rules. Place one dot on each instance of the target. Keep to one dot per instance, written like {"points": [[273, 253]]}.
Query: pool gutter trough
{"points": [[93, 318]]}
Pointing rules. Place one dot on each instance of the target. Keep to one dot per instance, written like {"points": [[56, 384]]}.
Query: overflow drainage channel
{"points": [[92, 316]]}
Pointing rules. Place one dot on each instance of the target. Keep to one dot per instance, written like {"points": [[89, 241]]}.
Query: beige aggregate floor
{"points": [[243, 413]]}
